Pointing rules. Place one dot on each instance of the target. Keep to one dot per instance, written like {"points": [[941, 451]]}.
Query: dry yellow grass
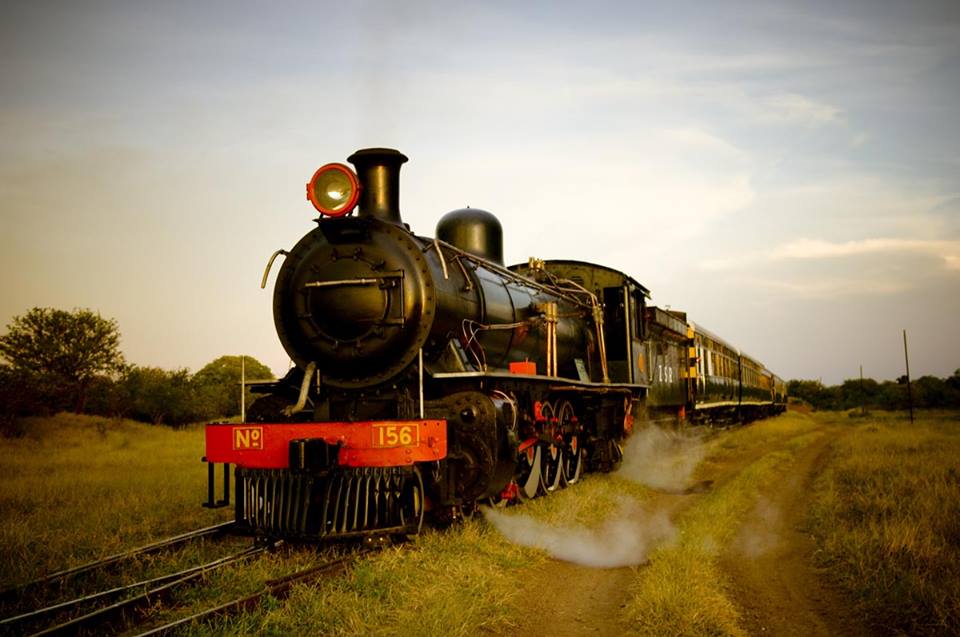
{"points": [[459, 582], [684, 589], [887, 516], [76, 488]]}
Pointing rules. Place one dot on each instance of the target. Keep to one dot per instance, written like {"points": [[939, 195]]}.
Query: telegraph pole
{"points": [[906, 359], [243, 388], [863, 397]]}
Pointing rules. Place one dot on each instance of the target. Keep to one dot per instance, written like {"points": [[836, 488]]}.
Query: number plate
{"points": [[388, 435]]}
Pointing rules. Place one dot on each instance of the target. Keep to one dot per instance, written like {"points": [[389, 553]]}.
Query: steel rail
{"points": [[278, 588], [16, 591], [101, 615], [35, 615]]}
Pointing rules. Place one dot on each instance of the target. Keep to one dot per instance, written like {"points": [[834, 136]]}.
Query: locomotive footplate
{"points": [[336, 504]]}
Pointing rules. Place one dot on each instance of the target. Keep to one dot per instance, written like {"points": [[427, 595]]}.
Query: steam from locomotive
{"points": [[429, 377]]}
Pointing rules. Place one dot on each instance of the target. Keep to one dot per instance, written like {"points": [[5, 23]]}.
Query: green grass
{"points": [[887, 518], [77, 488], [458, 582], [589, 503]]}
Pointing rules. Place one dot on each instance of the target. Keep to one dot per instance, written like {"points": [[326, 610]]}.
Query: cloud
{"points": [[809, 249], [819, 249], [838, 287], [687, 139], [791, 108]]}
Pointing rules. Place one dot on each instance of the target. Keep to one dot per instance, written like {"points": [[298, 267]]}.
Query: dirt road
{"points": [[773, 581], [775, 584]]}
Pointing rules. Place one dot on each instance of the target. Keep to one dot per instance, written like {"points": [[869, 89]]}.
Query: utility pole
{"points": [[906, 359], [243, 388], [863, 397]]}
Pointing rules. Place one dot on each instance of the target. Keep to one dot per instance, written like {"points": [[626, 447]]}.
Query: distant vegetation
{"points": [[54, 360], [928, 392]]}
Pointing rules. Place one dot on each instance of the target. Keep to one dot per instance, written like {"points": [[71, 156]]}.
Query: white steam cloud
{"points": [[653, 457], [660, 459], [623, 540]]}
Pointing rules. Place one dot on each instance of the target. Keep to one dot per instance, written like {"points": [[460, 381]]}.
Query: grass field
{"points": [[76, 488], [886, 515]]}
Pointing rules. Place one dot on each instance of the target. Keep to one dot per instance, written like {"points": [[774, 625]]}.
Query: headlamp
{"points": [[334, 190]]}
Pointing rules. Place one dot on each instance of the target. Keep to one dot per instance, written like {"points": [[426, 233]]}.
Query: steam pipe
{"points": [[378, 170], [304, 390]]}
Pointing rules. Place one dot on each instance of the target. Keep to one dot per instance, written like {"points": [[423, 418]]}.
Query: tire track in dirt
{"points": [[773, 581], [775, 584], [562, 599]]}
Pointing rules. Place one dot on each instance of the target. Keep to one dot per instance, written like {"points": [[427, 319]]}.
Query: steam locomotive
{"points": [[429, 377]]}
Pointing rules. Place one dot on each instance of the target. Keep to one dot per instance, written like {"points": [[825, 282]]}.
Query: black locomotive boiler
{"points": [[428, 376]]}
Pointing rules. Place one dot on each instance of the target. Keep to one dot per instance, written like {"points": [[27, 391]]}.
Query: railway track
{"points": [[127, 606], [18, 592], [146, 593], [277, 588], [31, 605]]}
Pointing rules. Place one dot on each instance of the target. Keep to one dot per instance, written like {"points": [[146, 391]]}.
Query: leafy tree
{"points": [[811, 391], [63, 351], [160, 396], [17, 398], [929, 391], [954, 381], [111, 396], [893, 395], [217, 384], [952, 389]]}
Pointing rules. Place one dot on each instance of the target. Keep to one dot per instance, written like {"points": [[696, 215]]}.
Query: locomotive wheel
{"points": [[573, 461], [617, 453], [552, 468], [412, 506], [496, 502], [530, 481]]}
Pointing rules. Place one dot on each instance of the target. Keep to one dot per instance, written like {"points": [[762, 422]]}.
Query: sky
{"points": [[788, 173]]}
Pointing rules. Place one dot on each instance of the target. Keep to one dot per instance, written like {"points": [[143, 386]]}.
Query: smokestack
{"points": [[379, 172]]}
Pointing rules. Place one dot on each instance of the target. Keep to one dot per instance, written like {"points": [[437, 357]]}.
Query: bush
{"points": [[928, 392]]}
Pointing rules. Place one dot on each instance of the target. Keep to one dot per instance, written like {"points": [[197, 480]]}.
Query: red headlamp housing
{"points": [[334, 190]]}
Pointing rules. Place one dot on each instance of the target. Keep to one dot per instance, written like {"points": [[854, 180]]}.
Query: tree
{"points": [[63, 350], [811, 391], [930, 392], [18, 398], [953, 389], [111, 396], [160, 396], [217, 384]]}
